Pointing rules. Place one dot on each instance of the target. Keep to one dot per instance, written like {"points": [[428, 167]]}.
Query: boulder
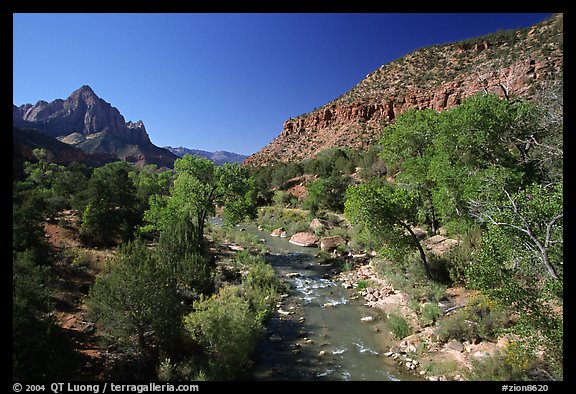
{"points": [[438, 245], [328, 244], [304, 239], [278, 232], [317, 225], [455, 345]]}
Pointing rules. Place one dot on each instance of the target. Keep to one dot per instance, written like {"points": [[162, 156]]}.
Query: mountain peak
{"points": [[97, 126], [86, 94], [86, 89]]}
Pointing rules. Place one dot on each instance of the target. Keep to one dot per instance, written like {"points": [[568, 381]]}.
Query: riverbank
{"points": [[437, 346], [421, 353]]}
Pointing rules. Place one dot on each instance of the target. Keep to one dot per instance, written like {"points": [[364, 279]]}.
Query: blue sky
{"points": [[222, 81]]}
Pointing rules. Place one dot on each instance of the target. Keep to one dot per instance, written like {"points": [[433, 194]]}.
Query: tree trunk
{"points": [[422, 254]]}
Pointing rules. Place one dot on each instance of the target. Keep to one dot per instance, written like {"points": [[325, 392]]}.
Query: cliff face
{"points": [[512, 64]]}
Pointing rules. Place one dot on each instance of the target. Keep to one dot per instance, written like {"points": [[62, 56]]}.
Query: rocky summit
{"points": [[513, 64], [86, 121]]}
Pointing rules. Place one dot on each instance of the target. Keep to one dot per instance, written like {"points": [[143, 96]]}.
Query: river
{"points": [[317, 332]]}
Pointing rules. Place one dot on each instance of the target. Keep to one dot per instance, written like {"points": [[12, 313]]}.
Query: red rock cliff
{"points": [[513, 64]]}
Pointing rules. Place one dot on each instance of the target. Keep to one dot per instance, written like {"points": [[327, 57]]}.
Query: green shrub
{"points": [[431, 312], [362, 284], [398, 326], [512, 363], [480, 319], [460, 257], [39, 349], [226, 329], [456, 327], [261, 287], [136, 301]]}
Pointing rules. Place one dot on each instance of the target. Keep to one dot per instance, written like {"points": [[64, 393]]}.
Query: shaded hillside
{"points": [[24, 141], [88, 122], [514, 63]]}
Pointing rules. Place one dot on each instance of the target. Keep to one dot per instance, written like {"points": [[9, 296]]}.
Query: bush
{"points": [[260, 286], [480, 319], [431, 312], [362, 284], [509, 364], [227, 330], [460, 257], [39, 349], [136, 301], [398, 326]]}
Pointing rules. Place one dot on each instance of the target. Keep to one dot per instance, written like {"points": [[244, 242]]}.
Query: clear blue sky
{"points": [[222, 81]]}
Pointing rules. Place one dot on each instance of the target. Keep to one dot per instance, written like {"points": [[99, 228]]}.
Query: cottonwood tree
{"points": [[534, 217], [407, 148], [386, 211], [199, 186], [520, 265]]}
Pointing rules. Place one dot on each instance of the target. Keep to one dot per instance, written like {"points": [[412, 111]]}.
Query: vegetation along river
{"points": [[317, 331]]}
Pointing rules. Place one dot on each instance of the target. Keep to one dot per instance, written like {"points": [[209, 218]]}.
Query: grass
{"points": [[398, 326]]}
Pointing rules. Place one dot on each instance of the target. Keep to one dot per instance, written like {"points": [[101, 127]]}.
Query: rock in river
{"points": [[304, 239]]}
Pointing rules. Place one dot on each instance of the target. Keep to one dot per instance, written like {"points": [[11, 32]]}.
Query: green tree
{"points": [[327, 193], [71, 184], [386, 211], [149, 181], [136, 301], [520, 264], [39, 350], [177, 249], [407, 150], [475, 139], [199, 186], [534, 219], [111, 211]]}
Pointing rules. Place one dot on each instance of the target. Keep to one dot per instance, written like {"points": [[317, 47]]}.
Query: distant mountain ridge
{"points": [[513, 64], [218, 157], [86, 121]]}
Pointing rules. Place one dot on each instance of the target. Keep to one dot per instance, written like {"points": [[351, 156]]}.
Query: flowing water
{"points": [[317, 333]]}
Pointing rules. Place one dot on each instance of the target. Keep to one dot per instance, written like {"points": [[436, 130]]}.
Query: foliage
{"points": [[387, 211], [398, 326], [260, 285], [39, 350], [532, 219], [136, 301], [461, 256], [176, 249], [292, 220], [327, 194], [407, 148], [226, 329], [479, 320], [511, 278], [199, 186], [430, 313], [477, 150], [149, 181], [508, 364], [27, 217], [110, 215]]}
